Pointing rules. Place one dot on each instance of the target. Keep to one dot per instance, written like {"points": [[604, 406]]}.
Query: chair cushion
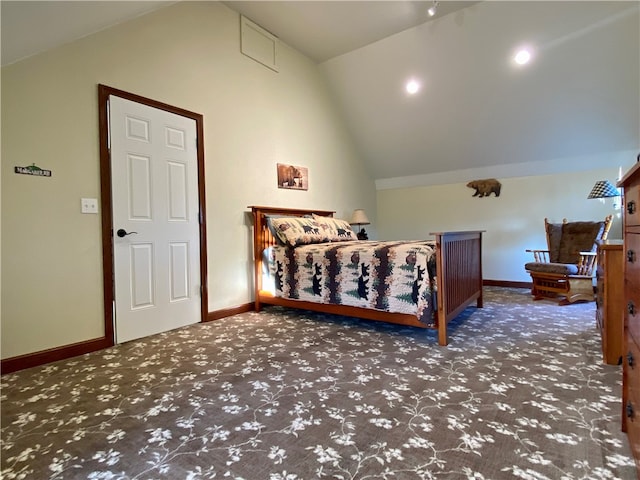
{"points": [[557, 268], [578, 237], [554, 235]]}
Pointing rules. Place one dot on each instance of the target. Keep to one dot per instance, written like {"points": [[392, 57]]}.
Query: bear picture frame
{"points": [[292, 177]]}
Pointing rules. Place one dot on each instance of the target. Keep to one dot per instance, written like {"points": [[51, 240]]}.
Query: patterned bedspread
{"points": [[393, 276]]}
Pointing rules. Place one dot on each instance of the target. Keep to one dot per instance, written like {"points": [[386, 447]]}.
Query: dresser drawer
{"points": [[631, 407], [632, 284], [632, 204], [633, 321], [632, 254], [633, 432]]}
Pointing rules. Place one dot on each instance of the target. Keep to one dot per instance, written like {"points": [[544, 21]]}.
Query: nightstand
{"points": [[609, 300]]}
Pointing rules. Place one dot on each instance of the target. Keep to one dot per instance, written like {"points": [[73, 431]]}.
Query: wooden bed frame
{"points": [[458, 266]]}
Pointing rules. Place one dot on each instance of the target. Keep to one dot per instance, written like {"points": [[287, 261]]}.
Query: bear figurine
{"points": [[485, 187]]}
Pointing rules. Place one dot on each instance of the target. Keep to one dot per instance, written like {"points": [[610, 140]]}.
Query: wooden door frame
{"points": [[106, 200]]}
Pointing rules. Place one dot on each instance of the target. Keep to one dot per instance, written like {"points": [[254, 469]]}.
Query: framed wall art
{"points": [[293, 177]]}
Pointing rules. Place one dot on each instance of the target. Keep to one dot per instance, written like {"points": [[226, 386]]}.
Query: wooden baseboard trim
{"points": [[29, 360], [10, 365], [227, 312], [506, 284], [13, 364]]}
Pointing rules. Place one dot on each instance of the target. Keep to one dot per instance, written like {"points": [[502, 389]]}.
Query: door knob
{"points": [[123, 233]]}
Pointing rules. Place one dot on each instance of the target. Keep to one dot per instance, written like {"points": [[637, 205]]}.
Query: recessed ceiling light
{"points": [[522, 57], [412, 87], [433, 9]]}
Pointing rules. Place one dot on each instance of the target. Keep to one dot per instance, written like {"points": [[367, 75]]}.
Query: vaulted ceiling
{"points": [[319, 29], [577, 99]]}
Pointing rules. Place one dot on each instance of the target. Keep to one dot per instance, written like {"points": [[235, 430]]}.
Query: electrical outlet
{"points": [[89, 205]]}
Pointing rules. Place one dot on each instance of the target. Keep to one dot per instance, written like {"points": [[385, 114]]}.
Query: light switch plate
{"points": [[89, 205]]}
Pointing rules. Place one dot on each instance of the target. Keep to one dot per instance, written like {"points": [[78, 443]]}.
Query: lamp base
{"points": [[362, 235]]}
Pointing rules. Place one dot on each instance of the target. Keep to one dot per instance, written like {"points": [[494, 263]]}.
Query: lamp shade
{"points": [[359, 218], [604, 189]]}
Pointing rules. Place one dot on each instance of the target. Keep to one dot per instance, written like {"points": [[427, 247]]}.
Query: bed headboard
{"points": [[262, 236]]}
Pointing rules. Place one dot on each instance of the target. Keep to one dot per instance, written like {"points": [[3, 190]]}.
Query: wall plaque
{"points": [[33, 170]]}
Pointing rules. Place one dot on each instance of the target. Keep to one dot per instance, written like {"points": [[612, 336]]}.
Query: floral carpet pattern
{"points": [[520, 392]]}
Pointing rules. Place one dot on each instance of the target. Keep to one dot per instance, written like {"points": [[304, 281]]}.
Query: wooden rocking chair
{"points": [[567, 267]]}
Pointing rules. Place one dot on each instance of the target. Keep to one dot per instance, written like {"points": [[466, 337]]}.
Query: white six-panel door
{"points": [[155, 219]]}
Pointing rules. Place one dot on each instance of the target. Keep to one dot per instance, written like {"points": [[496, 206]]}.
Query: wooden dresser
{"points": [[609, 300], [630, 184]]}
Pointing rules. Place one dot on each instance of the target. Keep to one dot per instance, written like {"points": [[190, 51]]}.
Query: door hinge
{"points": [[113, 322], [109, 125]]}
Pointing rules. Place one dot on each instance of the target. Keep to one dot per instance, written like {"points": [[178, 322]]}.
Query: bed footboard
{"points": [[459, 275]]}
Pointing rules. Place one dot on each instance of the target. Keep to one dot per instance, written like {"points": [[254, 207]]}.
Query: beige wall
{"points": [[187, 55], [513, 222]]}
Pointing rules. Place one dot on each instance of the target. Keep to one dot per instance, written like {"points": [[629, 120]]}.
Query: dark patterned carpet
{"points": [[520, 392]]}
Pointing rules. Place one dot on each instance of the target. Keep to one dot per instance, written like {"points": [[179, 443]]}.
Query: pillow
{"points": [[334, 229], [294, 231], [272, 229]]}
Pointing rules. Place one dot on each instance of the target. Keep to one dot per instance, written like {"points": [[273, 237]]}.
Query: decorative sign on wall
{"points": [[293, 177], [33, 170]]}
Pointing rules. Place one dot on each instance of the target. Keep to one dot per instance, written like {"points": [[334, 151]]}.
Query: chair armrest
{"points": [[540, 256], [587, 263]]}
